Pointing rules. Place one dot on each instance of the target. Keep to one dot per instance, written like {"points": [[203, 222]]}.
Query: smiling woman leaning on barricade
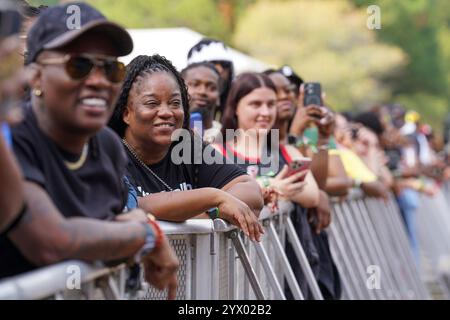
{"points": [[72, 165], [153, 104]]}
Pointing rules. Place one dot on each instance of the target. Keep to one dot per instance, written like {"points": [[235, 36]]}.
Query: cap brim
{"points": [[118, 35]]}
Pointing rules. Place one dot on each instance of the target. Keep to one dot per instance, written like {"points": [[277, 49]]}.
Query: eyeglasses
{"points": [[79, 67]]}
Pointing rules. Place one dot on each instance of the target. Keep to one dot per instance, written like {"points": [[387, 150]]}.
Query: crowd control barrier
{"points": [[368, 241]]}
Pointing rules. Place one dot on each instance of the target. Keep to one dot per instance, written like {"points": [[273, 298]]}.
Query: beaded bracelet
{"points": [[151, 220]]}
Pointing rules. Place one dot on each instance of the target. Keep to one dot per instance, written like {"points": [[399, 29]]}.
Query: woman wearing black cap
{"points": [[72, 165]]}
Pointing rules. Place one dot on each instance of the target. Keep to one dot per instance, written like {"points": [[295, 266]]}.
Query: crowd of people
{"points": [[93, 153]]}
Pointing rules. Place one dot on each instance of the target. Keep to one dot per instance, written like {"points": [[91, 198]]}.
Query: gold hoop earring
{"points": [[37, 92]]}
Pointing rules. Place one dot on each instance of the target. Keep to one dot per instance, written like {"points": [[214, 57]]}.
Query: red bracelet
{"points": [[159, 233]]}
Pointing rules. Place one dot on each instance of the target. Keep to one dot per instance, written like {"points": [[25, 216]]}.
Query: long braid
{"points": [[137, 68]]}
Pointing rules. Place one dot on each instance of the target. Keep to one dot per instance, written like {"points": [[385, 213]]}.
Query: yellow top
{"points": [[354, 166]]}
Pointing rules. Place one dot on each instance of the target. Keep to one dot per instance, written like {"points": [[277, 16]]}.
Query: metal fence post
{"points": [[302, 259]]}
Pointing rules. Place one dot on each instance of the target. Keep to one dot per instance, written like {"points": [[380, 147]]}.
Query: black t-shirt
{"points": [[95, 190], [181, 177]]}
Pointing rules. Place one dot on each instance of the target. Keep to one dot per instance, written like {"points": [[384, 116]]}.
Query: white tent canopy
{"points": [[174, 44]]}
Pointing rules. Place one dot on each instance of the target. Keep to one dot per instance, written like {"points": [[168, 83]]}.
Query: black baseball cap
{"points": [[56, 27]]}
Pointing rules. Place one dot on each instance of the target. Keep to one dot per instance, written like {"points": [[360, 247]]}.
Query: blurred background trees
{"points": [[406, 61]]}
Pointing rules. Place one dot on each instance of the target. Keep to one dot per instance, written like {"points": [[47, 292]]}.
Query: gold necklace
{"points": [[79, 163]]}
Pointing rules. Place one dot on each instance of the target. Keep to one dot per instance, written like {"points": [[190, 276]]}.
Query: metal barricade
{"points": [[433, 230], [216, 262], [368, 242], [370, 248]]}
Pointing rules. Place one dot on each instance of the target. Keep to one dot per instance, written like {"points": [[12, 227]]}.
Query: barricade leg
{"points": [[302, 259], [351, 289], [392, 247], [361, 253], [238, 244], [358, 271], [288, 273], [387, 288], [393, 217]]}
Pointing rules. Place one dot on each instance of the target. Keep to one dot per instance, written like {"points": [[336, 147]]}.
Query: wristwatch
{"points": [[213, 213]]}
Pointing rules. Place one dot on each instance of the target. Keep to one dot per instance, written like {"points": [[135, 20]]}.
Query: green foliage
{"points": [[433, 109], [422, 29], [325, 41], [199, 15]]}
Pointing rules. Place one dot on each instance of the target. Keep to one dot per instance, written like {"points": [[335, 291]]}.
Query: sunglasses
{"points": [[80, 66]]}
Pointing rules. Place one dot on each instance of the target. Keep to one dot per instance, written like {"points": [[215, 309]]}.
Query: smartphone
{"points": [[299, 165], [312, 94]]}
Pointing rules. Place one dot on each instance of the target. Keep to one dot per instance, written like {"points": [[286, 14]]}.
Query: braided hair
{"points": [[138, 67]]}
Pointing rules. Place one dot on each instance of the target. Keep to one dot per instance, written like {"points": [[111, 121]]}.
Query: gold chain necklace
{"points": [[79, 163]]}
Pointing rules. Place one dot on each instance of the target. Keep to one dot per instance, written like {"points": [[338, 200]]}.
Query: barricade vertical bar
{"points": [[382, 231], [214, 257], [394, 217], [354, 213], [391, 290], [399, 262], [348, 256], [288, 273], [341, 261], [237, 242], [405, 265], [388, 284], [246, 282], [359, 254], [272, 278], [390, 246], [302, 259]]}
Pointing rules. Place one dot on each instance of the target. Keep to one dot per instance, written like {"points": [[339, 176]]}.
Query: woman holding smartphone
{"points": [[251, 109]]}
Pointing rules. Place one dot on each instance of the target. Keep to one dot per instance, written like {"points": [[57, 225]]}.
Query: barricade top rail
{"points": [[191, 226], [47, 281], [354, 194], [283, 208]]}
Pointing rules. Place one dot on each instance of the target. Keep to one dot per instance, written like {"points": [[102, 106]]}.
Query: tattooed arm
{"points": [[44, 236]]}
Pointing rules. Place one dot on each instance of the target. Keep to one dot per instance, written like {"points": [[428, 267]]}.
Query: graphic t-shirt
{"points": [[187, 175]]}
